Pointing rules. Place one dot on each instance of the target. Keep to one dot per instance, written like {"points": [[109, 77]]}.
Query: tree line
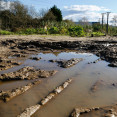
{"points": [[20, 16]]}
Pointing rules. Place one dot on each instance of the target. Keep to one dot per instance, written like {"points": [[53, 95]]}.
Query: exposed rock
{"points": [[6, 96], [27, 73]]}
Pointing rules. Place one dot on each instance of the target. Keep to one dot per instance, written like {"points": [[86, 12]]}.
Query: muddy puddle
{"points": [[78, 94]]}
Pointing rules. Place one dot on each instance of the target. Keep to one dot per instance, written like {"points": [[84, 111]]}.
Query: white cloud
{"points": [[85, 8], [5, 5], [76, 12]]}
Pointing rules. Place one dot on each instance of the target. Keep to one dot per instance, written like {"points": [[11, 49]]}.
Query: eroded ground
{"points": [[90, 63]]}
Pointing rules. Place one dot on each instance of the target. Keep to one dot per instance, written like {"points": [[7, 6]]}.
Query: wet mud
{"points": [[91, 64]]}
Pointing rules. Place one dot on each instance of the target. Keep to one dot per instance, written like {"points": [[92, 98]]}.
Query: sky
{"points": [[77, 9]]}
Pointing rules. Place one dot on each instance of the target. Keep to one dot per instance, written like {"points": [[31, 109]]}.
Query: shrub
{"points": [[96, 27], [42, 31], [30, 31], [76, 31], [4, 32], [54, 30], [63, 30], [113, 31], [97, 34]]}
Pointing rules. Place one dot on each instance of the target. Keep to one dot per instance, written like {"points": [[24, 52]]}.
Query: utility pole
{"points": [[107, 22], [102, 20], [99, 20]]}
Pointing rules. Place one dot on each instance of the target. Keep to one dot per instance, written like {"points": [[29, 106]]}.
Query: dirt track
{"points": [[55, 38]]}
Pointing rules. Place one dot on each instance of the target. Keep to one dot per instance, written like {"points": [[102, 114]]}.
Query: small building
{"points": [[87, 23]]}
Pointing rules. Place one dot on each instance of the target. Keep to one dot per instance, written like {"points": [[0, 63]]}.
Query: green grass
{"points": [[97, 34], [4, 32]]}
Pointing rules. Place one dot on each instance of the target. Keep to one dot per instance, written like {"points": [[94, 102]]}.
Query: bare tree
{"points": [[84, 21], [114, 20], [42, 12], [32, 12]]}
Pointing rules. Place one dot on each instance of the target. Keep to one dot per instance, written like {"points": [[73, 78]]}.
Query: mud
{"points": [[67, 63], [35, 58], [77, 112], [99, 48], [97, 85], [26, 73], [95, 61], [8, 95], [109, 111], [15, 51], [31, 110]]}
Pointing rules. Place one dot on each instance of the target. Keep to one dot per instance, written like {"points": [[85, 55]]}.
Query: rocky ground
{"points": [[20, 47]]}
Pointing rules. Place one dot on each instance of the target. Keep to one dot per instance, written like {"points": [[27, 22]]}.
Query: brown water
{"points": [[78, 94]]}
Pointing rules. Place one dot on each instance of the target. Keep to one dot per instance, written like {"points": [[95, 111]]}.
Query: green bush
{"points": [[53, 30], [42, 31], [97, 34], [63, 31], [30, 31], [113, 31], [4, 32], [96, 27], [76, 31]]}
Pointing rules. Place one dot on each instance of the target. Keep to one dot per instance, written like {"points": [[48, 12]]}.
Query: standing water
{"points": [[78, 93]]}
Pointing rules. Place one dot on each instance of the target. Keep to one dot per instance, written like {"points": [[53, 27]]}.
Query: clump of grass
{"points": [[76, 31], [97, 34], [4, 32]]}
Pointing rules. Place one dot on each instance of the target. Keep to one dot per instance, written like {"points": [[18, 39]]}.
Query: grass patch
{"points": [[4, 32]]}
